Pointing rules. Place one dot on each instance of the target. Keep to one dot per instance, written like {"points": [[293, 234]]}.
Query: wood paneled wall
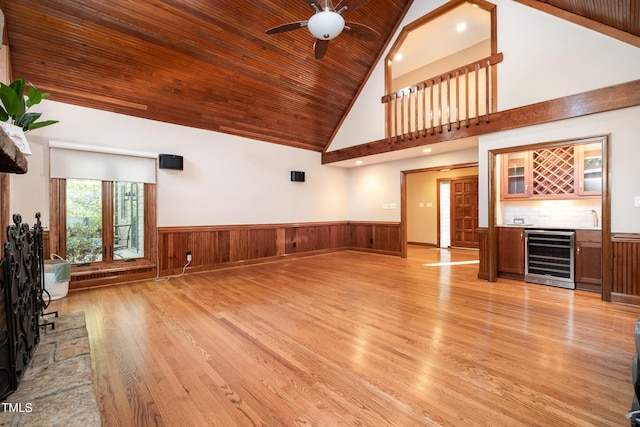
{"points": [[222, 246], [626, 268], [483, 253]]}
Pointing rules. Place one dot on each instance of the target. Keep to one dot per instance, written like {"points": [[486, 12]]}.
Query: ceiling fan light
{"points": [[326, 25]]}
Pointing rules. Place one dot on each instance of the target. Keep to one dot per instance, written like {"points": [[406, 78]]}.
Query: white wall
{"points": [[226, 179], [623, 127], [547, 57], [375, 189], [232, 180], [544, 58], [358, 127]]}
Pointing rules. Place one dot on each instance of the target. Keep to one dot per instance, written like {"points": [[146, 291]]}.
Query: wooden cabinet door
{"points": [[464, 212], [589, 168], [588, 260], [511, 250], [515, 175]]}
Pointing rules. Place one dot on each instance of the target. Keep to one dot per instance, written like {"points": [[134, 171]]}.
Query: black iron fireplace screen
{"points": [[21, 303]]}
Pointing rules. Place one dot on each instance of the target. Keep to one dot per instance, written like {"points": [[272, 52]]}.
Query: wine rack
{"points": [[553, 172]]}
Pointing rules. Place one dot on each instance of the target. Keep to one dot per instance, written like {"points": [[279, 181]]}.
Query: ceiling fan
{"points": [[327, 23]]}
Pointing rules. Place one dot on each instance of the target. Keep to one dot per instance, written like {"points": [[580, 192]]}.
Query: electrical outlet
{"points": [[188, 256]]}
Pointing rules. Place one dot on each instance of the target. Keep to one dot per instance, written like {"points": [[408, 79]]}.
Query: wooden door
{"points": [[464, 212]]}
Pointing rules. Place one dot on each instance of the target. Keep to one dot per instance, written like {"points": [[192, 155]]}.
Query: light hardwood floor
{"points": [[352, 338]]}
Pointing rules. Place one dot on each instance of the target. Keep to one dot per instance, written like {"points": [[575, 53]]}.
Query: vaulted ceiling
{"points": [[209, 63], [201, 63]]}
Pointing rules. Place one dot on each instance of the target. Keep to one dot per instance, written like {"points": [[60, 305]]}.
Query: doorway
{"points": [[445, 214], [426, 204]]}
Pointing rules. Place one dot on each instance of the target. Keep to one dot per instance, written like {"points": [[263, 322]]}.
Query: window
{"points": [[103, 210], [89, 238], [84, 221]]}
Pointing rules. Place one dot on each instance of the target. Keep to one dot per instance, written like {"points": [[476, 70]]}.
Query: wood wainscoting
{"points": [[626, 268], [223, 246], [214, 247]]}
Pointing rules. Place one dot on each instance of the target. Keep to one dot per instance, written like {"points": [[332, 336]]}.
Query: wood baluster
{"points": [[402, 115], [416, 114], [440, 104], [477, 72], [448, 105], [487, 90], [457, 99], [431, 106], [409, 115], [466, 94], [385, 100], [424, 109], [395, 115]]}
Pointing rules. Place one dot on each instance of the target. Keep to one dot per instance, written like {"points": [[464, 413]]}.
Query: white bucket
{"points": [[56, 290]]}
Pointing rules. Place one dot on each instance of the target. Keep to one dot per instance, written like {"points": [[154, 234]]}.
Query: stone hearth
{"points": [[57, 387]]}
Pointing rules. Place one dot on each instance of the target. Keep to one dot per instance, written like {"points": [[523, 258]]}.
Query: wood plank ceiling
{"points": [[200, 63], [209, 64], [623, 15]]}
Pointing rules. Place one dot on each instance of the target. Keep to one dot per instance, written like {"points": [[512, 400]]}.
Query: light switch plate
{"points": [[636, 201]]}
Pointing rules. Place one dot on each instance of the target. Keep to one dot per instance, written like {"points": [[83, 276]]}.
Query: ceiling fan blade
{"points": [[320, 48], [287, 27], [361, 32], [346, 5], [314, 4]]}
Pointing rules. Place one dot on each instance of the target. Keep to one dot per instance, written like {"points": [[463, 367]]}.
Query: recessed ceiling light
{"points": [[397, 57], [426, 150], [461, 27], [358, 162]]}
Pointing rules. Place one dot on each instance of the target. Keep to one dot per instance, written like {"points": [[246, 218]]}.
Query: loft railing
{"points": [[460, 97]]}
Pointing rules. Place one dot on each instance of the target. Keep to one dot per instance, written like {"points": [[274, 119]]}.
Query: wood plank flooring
{"points": [[356, 339]]}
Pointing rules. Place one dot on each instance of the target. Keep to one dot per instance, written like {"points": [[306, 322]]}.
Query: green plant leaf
{"points": [[3, 115], [18, 86], [26, 120], [44, 123], [34, 96], [13, 104]]}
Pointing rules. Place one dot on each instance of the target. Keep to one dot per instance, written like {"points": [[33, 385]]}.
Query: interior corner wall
{"points": [[375, 190], [546, 57], [227, 180], [622, 127]]}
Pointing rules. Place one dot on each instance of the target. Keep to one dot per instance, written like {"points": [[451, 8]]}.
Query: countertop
{"points": [[548, 227]]}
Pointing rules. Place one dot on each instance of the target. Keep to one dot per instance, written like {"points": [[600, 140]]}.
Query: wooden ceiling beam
{"points": [[592, 102]]}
